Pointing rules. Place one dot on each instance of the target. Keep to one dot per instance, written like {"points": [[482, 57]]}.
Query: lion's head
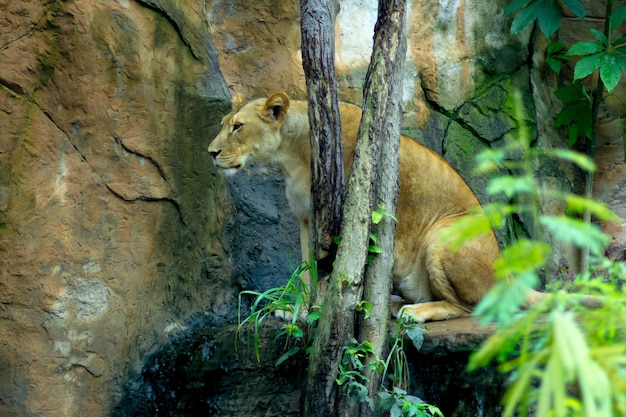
{"points": [[251, 131]]}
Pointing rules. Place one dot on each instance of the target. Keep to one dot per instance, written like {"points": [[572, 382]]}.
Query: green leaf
{"points": [[514, 6], [385, 400], [291, 352], [416, 335], [618, 16], [599, 36], [610, 72], [366, 307], [374, 249], [578, 204], [576, 232], [554, 64], [522, 257], [575, 7], [465, 228], [550, 18], [570, 93], [313, 317], [526, 16], [510, 185], [573, 135], [585, 48], [581, 160], [587, 65], [377, 216], [554, 57]]}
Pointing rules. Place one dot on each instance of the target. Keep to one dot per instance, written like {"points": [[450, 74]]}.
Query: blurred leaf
{"points": [[489, 160], [576, 232], [575, 7], [510, 185], [465, 228], [578, 204], [501, 304], [583, 161], [521, 257], [374, 249], [570, 93], [618, 16]]}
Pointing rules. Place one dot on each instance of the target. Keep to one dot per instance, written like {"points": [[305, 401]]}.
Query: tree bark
{"points": [[378, 281], [336, 326], [327, 177]]}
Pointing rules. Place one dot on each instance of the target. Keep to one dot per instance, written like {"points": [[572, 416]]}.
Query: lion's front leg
{"points": [[431, 311]]}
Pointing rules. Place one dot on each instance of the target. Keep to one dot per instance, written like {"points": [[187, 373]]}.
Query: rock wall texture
{"points": [[116, 235], [112, 221]]}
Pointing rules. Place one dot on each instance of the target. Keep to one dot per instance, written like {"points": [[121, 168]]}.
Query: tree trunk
{"points": [[337, 324], [378, 281], [327, 178]]}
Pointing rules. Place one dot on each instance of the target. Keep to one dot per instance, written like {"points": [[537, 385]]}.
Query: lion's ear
{"points": [[275, 107], [238, 99]]}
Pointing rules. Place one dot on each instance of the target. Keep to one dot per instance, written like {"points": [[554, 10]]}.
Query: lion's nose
{"points": [[215, 153]]}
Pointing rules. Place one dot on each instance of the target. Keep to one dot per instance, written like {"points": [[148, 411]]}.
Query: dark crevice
{"points": [[14, 87], [171, 200], [154, 7], [67, 135], [139, 154]]}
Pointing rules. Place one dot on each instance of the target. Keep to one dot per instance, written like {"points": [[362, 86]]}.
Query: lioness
{"points": [[436, 284]]}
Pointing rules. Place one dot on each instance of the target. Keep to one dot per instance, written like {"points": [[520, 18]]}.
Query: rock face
{"points": [[205, 373], [112, 221], [118, 239]]}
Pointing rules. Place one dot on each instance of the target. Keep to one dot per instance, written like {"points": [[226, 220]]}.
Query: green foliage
{"points": [[565, 355], [351, 377], [377, 216], [604, 55], [559, 344], [607, 57], [395, 400], [290, 301], [576, 111], [399, 404]]}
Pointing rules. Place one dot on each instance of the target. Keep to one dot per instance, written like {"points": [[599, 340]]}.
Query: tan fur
{"points": [[436, 284]]}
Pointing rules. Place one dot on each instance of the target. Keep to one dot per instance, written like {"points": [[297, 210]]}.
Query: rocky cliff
{"points": [[116, 234]]}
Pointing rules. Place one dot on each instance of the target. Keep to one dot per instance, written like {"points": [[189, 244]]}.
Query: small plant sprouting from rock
{"points": [[290, 302]]}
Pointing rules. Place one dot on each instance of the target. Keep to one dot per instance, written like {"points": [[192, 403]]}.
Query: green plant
{"points": [[562, 358], [290, 302], [399, 404], [395, 399], [351, 378]]}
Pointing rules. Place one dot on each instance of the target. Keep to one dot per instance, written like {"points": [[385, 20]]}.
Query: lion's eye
{"points": [[237, 126]]}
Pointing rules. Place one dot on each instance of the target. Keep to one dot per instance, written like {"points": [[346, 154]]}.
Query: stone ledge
{"points": [[456, 335]]}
